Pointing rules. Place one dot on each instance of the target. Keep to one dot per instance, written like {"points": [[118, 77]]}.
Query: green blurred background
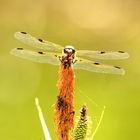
{"points": [[85, 24]]}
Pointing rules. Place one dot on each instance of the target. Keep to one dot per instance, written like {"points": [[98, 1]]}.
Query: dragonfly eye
{"points": [[65, 51], [69, 50], [73, 50]]}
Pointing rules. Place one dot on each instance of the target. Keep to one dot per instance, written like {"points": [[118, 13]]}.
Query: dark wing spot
{"points": [[102, 52], [23, 32], [40, 40], [40, 52], [19, 48], [96, 63], [120, 51], [117, 67]]}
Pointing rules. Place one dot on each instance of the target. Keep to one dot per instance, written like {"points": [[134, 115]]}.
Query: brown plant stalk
{"points": [[64, 108]]}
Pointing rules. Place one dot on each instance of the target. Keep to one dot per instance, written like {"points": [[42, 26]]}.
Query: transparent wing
{"points": [[97, 67], [37, 43], [41, 57], [102, 54]]}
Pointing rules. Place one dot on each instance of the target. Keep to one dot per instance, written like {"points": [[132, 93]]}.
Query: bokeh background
{"points": [[85, 24]]}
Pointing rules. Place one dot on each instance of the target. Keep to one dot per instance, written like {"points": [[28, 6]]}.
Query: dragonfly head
{"points": [[69, 50]]}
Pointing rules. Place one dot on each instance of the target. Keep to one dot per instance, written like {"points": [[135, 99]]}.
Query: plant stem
{"points": [[101, 117], [44, 126]]}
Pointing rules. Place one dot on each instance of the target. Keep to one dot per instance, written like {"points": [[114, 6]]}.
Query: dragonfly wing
{"points": [[37, 43], [41, 57], [102, 54], [97, 67]]}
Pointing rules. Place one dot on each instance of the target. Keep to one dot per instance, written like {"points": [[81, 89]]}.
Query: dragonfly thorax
{"points": [[68, 56]]}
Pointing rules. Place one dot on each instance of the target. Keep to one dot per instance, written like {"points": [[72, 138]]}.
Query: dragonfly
{"points": [[54, 54]]}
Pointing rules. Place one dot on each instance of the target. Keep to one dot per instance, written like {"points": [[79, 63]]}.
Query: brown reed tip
{"points": [[64, 108]]}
